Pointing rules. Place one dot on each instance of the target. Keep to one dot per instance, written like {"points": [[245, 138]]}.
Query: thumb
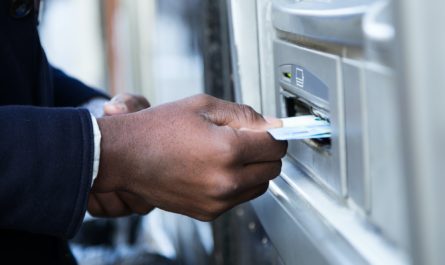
{"points": [[240, 116], [274, 122], [114, 108]]}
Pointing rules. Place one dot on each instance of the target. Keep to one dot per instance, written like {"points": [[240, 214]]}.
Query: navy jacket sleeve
{"points": [[70, 92], [46, 152], [46, 159]]}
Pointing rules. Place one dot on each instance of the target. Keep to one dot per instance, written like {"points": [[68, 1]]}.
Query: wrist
{"points": [[109, 175]]}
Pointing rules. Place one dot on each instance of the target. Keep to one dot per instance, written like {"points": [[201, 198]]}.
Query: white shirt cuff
{"points": [[96, 108], [97, 139]]}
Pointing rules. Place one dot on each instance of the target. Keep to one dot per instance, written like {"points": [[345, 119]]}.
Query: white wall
{"points": [[71, 35]]}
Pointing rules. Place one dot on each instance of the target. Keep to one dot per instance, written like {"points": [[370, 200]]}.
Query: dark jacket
{"points": [[46, 148]]}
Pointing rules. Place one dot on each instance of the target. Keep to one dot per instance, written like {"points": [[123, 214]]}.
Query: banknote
{"points": [[302, 127]]}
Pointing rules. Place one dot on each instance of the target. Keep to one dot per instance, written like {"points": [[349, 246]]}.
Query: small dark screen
{"points": [[299, 74]]}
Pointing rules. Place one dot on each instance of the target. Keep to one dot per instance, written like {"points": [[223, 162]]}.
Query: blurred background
{"points": [[147, 47]]}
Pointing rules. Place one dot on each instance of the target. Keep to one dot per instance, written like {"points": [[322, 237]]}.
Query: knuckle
{"points": [[279, 149], [204, 218], [231, 185], [262, 190], [207, 217], [204, 104], [203, 99], [229, 150], [224, 187], [209, 213], [259, 191], [276, 170], [272, 171], [217, 209]]}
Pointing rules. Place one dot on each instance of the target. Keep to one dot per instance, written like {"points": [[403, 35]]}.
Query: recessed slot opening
{"points": [[296, 106], [287, 75]]}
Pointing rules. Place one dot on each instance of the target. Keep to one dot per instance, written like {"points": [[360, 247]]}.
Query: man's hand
{"points": [[198, 157], [119, 203], [125, 103]]}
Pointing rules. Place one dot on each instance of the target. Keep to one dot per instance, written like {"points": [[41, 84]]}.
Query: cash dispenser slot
{"points": [[298, 106]]}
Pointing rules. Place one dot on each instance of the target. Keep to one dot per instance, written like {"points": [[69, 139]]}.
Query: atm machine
{"points": [[342, 200]]}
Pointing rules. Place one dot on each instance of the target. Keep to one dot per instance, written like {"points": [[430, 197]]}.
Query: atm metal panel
{"points": [[325, 165], [354, 120]]}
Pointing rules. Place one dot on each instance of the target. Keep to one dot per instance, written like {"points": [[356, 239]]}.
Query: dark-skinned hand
{"points": [[199, 157], [119, 203]]}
